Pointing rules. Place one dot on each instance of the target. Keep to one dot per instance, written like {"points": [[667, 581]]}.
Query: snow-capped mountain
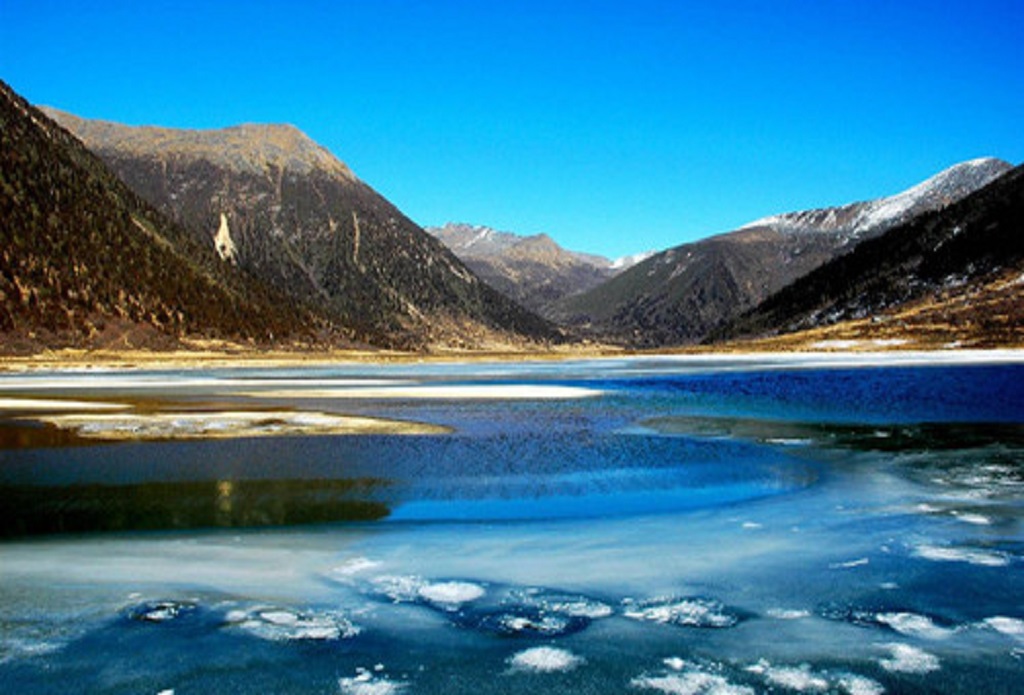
{"points": [[681, 295], [870, 218], [533, 270]]}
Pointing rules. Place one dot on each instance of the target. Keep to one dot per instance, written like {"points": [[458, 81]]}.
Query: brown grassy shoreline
{"points": [[226, 356]]}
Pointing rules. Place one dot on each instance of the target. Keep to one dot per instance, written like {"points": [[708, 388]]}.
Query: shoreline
{"points": [[141, 360]]}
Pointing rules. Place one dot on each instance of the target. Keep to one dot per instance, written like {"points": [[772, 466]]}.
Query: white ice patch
{"points": [[908, 659], [799, 678], [398, 588], [582, 608], [789, 441], [352, 567], [913, 625], [787, 613], [161, 611], [225, 424], [545, 660], [450, 595], [860, 562], [366, 683], [1007, 626], [985, 558], [690, 683], [476, 392], [280, 625], [688, 612], [860, 685], [53, 405], [972, 518]]}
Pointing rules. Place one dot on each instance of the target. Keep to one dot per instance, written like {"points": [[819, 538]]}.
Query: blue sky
{"points": [[613, 126]]}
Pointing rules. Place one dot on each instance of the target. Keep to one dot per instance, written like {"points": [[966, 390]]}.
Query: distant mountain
{"points": [[85, 262], [682, 295], [533, 270], [959, 269], [284, 209]]}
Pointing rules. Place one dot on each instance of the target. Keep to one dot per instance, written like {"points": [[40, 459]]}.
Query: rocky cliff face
{"points": [[85, 262], [682, 295], [282, 208]]}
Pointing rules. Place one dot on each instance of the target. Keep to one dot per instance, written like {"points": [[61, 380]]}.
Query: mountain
{"points": [[85, 262], [956, 272], [533, 270], [281, 207], [682, 295]]}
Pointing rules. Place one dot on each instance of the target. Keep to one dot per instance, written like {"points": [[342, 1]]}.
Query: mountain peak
{"points": [[871, 217], [251, 148]]}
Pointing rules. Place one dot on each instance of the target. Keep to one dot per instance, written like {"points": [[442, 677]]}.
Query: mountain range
{"points": [[287, 212], [684, 294], [126, 236], [958, 271], [533, 270]]}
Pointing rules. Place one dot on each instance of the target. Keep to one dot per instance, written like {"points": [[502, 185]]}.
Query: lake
{"points": [[682, 525]]}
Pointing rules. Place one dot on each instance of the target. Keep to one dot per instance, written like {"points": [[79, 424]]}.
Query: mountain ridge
{"points": [[312, 230], [534, 270], [681, 295], [946, 254], [86, 262]]}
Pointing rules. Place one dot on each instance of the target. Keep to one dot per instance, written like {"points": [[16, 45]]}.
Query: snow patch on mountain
{"points": [[868, 218]]}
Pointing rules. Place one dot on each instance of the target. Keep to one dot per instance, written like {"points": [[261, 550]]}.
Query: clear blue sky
{"points": [[613, 126]]}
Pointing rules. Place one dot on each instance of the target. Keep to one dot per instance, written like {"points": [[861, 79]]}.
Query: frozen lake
{"points": [[700, 525]]}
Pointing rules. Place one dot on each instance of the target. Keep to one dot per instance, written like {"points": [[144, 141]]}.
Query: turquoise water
{"points": [[682, 526]]}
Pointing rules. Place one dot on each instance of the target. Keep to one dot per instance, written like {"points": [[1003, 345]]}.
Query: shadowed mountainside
{"points": [[533, 270], [278, 205], [957, 270], [682, 295], [84, 261]]}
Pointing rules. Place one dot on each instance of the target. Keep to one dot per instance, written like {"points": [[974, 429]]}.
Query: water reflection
{"points": [[35, 510]]}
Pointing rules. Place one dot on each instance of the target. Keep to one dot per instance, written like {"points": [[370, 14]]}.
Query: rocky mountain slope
{"points": [[276, 204], [84, 261], [682, 295], [952, 269], [533, 270]]}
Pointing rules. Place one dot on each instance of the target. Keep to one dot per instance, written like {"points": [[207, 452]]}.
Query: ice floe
{"points": [[684, 612], [973, 556], [353, 566], [905, 658], [279, 624], [501, 609], [472, 392], [367, 682], [903, 622], [689, 678], [914, 625], [787, 613], [161, 611], [445, 595], [227, 424], [803, 679], [859, 685], [545, 660], [798, 678], [1007, 626], [691, 683], [450, 595]]}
